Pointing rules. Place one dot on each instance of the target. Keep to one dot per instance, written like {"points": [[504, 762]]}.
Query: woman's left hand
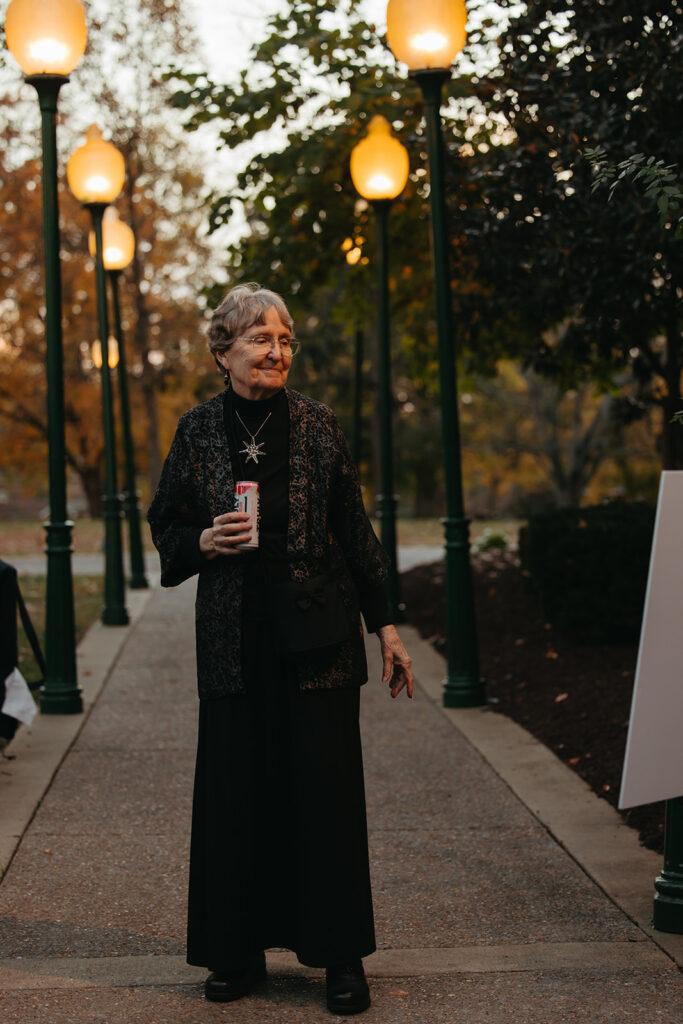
{"points": [[397, 665]]}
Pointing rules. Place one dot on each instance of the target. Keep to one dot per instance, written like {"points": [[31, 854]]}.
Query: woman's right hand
{"points": [[227, 532]]}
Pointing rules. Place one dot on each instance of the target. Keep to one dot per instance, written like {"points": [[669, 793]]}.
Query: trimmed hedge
{"points": [[590, 568]]}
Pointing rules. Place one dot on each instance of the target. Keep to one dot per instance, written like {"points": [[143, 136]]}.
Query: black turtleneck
{"points": [[272, 475], [268, 420]]}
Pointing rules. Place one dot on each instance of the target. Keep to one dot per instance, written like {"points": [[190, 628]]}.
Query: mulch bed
{"points": [[576, 699]]}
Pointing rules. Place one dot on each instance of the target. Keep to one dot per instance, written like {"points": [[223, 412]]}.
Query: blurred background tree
{"points": [[573, 76], [119, 84]]}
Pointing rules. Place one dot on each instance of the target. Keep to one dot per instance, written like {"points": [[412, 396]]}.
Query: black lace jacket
{"points": [[327, 524]]}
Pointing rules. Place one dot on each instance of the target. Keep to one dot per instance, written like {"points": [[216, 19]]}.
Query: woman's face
{"points": [[254, 374]]}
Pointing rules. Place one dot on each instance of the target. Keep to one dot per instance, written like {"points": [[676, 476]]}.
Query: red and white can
{"points": [[247, 500]]}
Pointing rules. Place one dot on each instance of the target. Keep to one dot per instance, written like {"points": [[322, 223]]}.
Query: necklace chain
{"points": [[253, 450]]}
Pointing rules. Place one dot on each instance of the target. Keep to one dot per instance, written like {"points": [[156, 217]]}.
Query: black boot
{"points": [[234, 982], [347, 989]]}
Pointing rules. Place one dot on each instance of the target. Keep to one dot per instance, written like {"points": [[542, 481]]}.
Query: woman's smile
{"points": [[252, 374]]}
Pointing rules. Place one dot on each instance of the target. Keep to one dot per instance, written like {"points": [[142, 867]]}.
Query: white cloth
{"points": [[18, 701]]}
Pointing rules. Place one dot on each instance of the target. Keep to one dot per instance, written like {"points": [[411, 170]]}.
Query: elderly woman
{"points": [[279, 841]]}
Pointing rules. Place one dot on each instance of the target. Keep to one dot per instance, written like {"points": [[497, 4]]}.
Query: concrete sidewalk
{"points": [[504, 890]]}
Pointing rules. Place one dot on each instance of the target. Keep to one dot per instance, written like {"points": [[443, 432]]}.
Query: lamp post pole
{"points": [[60, 693], [114, 611], [427, 36], [138, 580], [463, 686], [352, 248], [357, 436], [96, 172], [387, 500], [379, 171]]}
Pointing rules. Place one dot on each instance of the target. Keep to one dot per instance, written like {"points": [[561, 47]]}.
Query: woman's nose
{"points": [[275, 352]]}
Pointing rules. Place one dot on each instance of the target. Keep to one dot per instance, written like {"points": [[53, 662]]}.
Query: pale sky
{"points": [[227, 29]]}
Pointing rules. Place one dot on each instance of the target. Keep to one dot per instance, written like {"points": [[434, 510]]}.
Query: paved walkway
{"points": [[504, 890]]}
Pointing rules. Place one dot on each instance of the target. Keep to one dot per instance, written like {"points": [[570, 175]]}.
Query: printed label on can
{"points": [[247, 500]]}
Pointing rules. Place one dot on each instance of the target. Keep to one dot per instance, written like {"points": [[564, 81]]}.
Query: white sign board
{"points": [[653, 766]]}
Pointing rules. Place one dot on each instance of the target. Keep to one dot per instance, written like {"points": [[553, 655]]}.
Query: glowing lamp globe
{"points": [[112, 353], [118, 241], [96, 170], [46, 37], [427, 34], [379, 163], [352, 250]]}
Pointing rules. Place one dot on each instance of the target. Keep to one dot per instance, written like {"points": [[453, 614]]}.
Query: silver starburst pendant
{"points": [[252, 450]]}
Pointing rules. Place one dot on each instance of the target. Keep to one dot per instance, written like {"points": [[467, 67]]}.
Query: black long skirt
{"points": [[279, 852]]}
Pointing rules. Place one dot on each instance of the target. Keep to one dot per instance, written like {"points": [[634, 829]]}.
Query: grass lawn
{"points": [[88, 599], [429, 532], [25, 537]]}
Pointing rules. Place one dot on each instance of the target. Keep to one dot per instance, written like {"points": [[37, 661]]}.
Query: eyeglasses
{"points": [[261, 344]]}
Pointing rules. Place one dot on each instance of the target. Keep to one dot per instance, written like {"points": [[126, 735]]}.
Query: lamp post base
{"points": [[61, 699], [668, 901], [60, 694], [115, 615], [138, 582], [463, 687], [461, 693], [114, 611], [137, 579]]}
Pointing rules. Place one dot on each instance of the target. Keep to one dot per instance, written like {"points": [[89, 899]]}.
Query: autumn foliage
{"points": [[161, 291]]}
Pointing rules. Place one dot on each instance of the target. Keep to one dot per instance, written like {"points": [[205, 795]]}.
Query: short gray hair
{"points": [[242, 307]]}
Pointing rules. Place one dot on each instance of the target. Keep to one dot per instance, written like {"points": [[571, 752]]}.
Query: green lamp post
{"points": [[118, 249], [47, 38], [357, 434], [351, 247], [379, 170], [427, 36], [667, 915], [95, 172]]}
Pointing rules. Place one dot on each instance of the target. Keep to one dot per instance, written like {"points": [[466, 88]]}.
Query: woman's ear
{"points": [[222, 360]]}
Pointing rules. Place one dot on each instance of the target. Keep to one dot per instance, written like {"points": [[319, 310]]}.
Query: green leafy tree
{"points": [[575, 75], [658, 180], [294, 115]]}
